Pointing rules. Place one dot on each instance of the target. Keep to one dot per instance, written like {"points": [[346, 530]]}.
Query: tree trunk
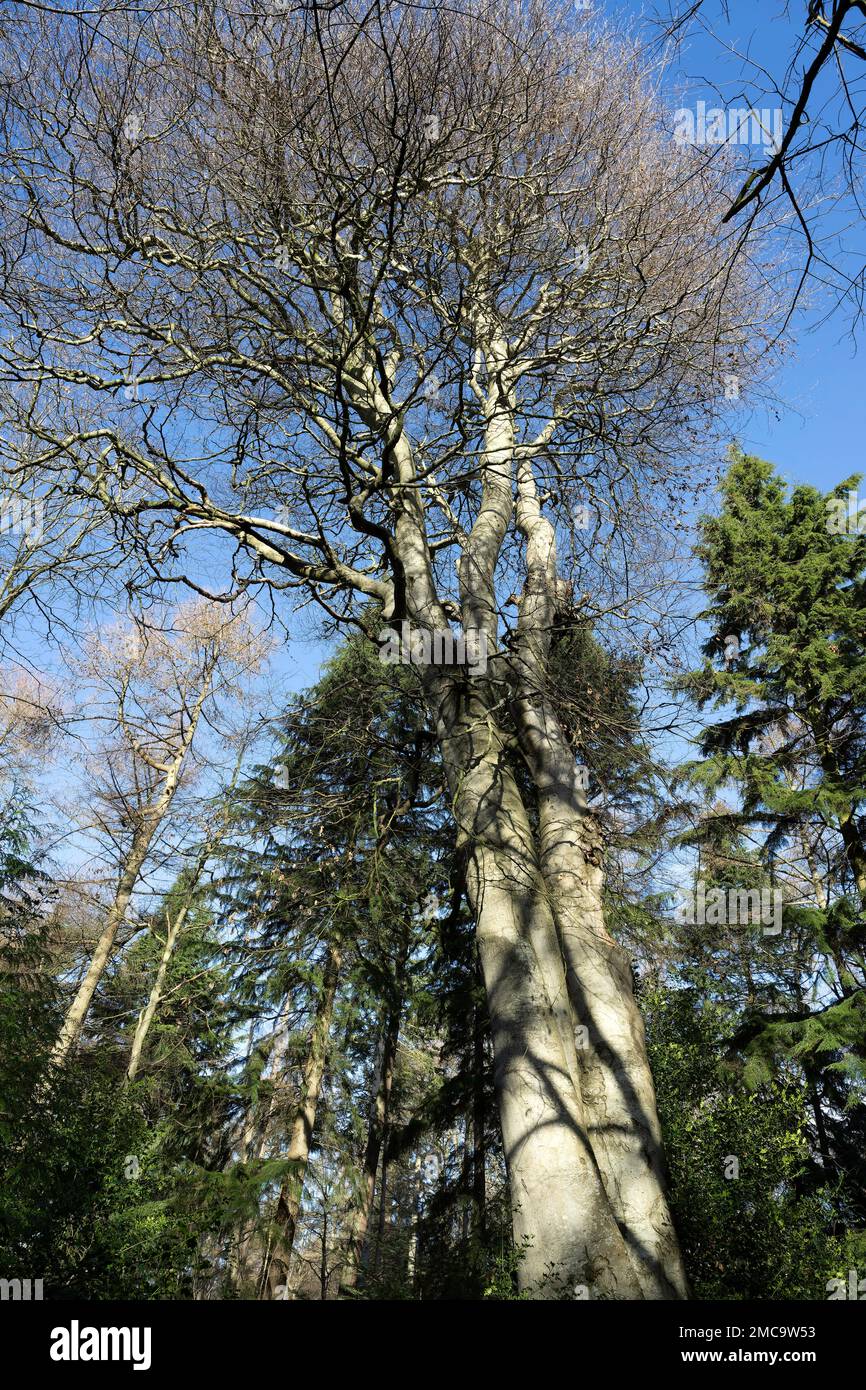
{"points": [[145, 1018], [563, 1221], [377, 1127], [323, 1263], [382, 1224], [78, 1009], [854, 850], [150, 819], [253, 1141], [479, 1155], [276, 1273], [615, 1079], [412, 1250]]}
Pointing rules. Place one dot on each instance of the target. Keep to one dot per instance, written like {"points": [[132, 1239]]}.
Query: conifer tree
{"points": [[784, 668]]}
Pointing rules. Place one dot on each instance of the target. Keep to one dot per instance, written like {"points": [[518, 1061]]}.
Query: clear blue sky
{"points": [[819, 435]]}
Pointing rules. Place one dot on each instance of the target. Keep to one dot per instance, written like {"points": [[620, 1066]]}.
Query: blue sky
{"points": [[815, 433], [818, 435]]}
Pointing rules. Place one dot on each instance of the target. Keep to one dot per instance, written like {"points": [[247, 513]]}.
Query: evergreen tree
{"points": [[784, 668]]}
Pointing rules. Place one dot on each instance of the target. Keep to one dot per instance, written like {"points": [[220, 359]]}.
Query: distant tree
{"points": [[157, 683]]}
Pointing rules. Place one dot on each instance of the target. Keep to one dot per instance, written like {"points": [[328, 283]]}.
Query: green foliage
{"points": [[762, 1234], [784, 669], [787, 614]]}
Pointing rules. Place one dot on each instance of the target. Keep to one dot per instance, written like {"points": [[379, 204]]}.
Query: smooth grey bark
{"points": [[562, 1214], [570, 1215], [563, 1221], [616, 1081]]}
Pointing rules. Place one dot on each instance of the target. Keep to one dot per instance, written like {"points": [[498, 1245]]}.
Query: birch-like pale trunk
{"points": [[563, 1221], [616, 1082], [278, 1262], [78, 1009], [174, 928], [146, 1017], [149, 821]]}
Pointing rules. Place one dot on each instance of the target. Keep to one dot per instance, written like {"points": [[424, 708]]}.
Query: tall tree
{"points": [[784, 573], [160, 681], [334, 851], [416, 282]]}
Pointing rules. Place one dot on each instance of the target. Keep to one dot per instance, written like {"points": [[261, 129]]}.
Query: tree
{"points": [[738, 1154], [179, 907], [787, 598], [425, 281], [783, 665], [51, 549], [331, 858], [160, 682]]}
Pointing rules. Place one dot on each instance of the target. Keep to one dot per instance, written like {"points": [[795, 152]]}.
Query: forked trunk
{"points": [[563, 1222], [615, 1079]]}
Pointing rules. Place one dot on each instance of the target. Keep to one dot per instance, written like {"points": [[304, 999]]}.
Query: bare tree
{"points": [[182, 905], [161, 681], [31, 720], [401, 290], [58, 551]]}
